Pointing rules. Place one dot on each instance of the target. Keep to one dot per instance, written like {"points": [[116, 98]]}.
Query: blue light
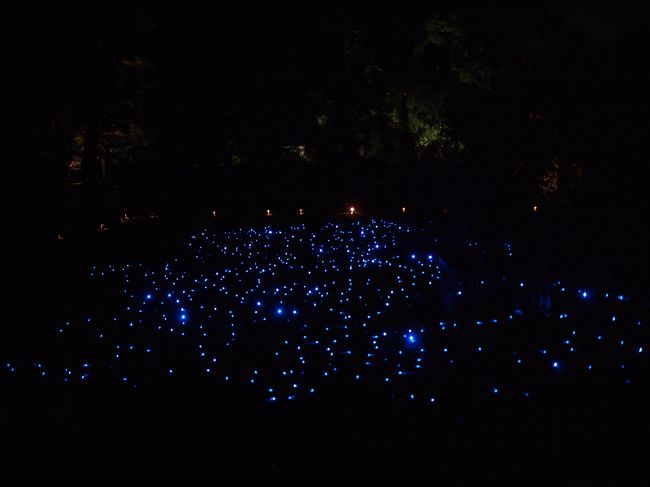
{"points": [[555, 365], [279, 311], [148, 296], [584, 294]]}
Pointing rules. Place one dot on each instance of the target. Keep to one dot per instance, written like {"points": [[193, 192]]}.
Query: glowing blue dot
{"points": [[584, 294], [555, 365], [495, 390], [148, 296], [279, 311]]}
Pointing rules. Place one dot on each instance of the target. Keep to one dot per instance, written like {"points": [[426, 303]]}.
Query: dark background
{"points": [[469, 114]]}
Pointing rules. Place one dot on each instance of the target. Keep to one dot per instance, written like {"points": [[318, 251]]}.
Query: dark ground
{"points": [[181, 433]]}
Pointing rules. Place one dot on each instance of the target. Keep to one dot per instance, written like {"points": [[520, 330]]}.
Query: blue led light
{"points": [[352, 303]]}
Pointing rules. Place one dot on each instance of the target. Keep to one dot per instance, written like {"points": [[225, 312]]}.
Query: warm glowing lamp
{"points": [[352, 210], [300, 211], [214, 214], [403, 209], [268, 212]]}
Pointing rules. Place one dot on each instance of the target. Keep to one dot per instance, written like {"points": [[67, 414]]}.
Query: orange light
{"points": [[102, 227], [403, 209], [300, 211], [352, 210], [59, 237], [535, 208], [214, 214], [268, 212]]}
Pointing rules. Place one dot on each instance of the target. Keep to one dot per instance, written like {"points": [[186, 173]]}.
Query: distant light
{"points": [[411, 338], [300, 211], [584, 294], [555, 365], [279, 311], [403, 209], [352, 210], [148, 296], [214, 214], [268, 212], [534, 207]]}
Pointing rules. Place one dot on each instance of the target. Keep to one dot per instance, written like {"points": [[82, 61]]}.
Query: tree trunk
{"points": [[90, 163]]}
